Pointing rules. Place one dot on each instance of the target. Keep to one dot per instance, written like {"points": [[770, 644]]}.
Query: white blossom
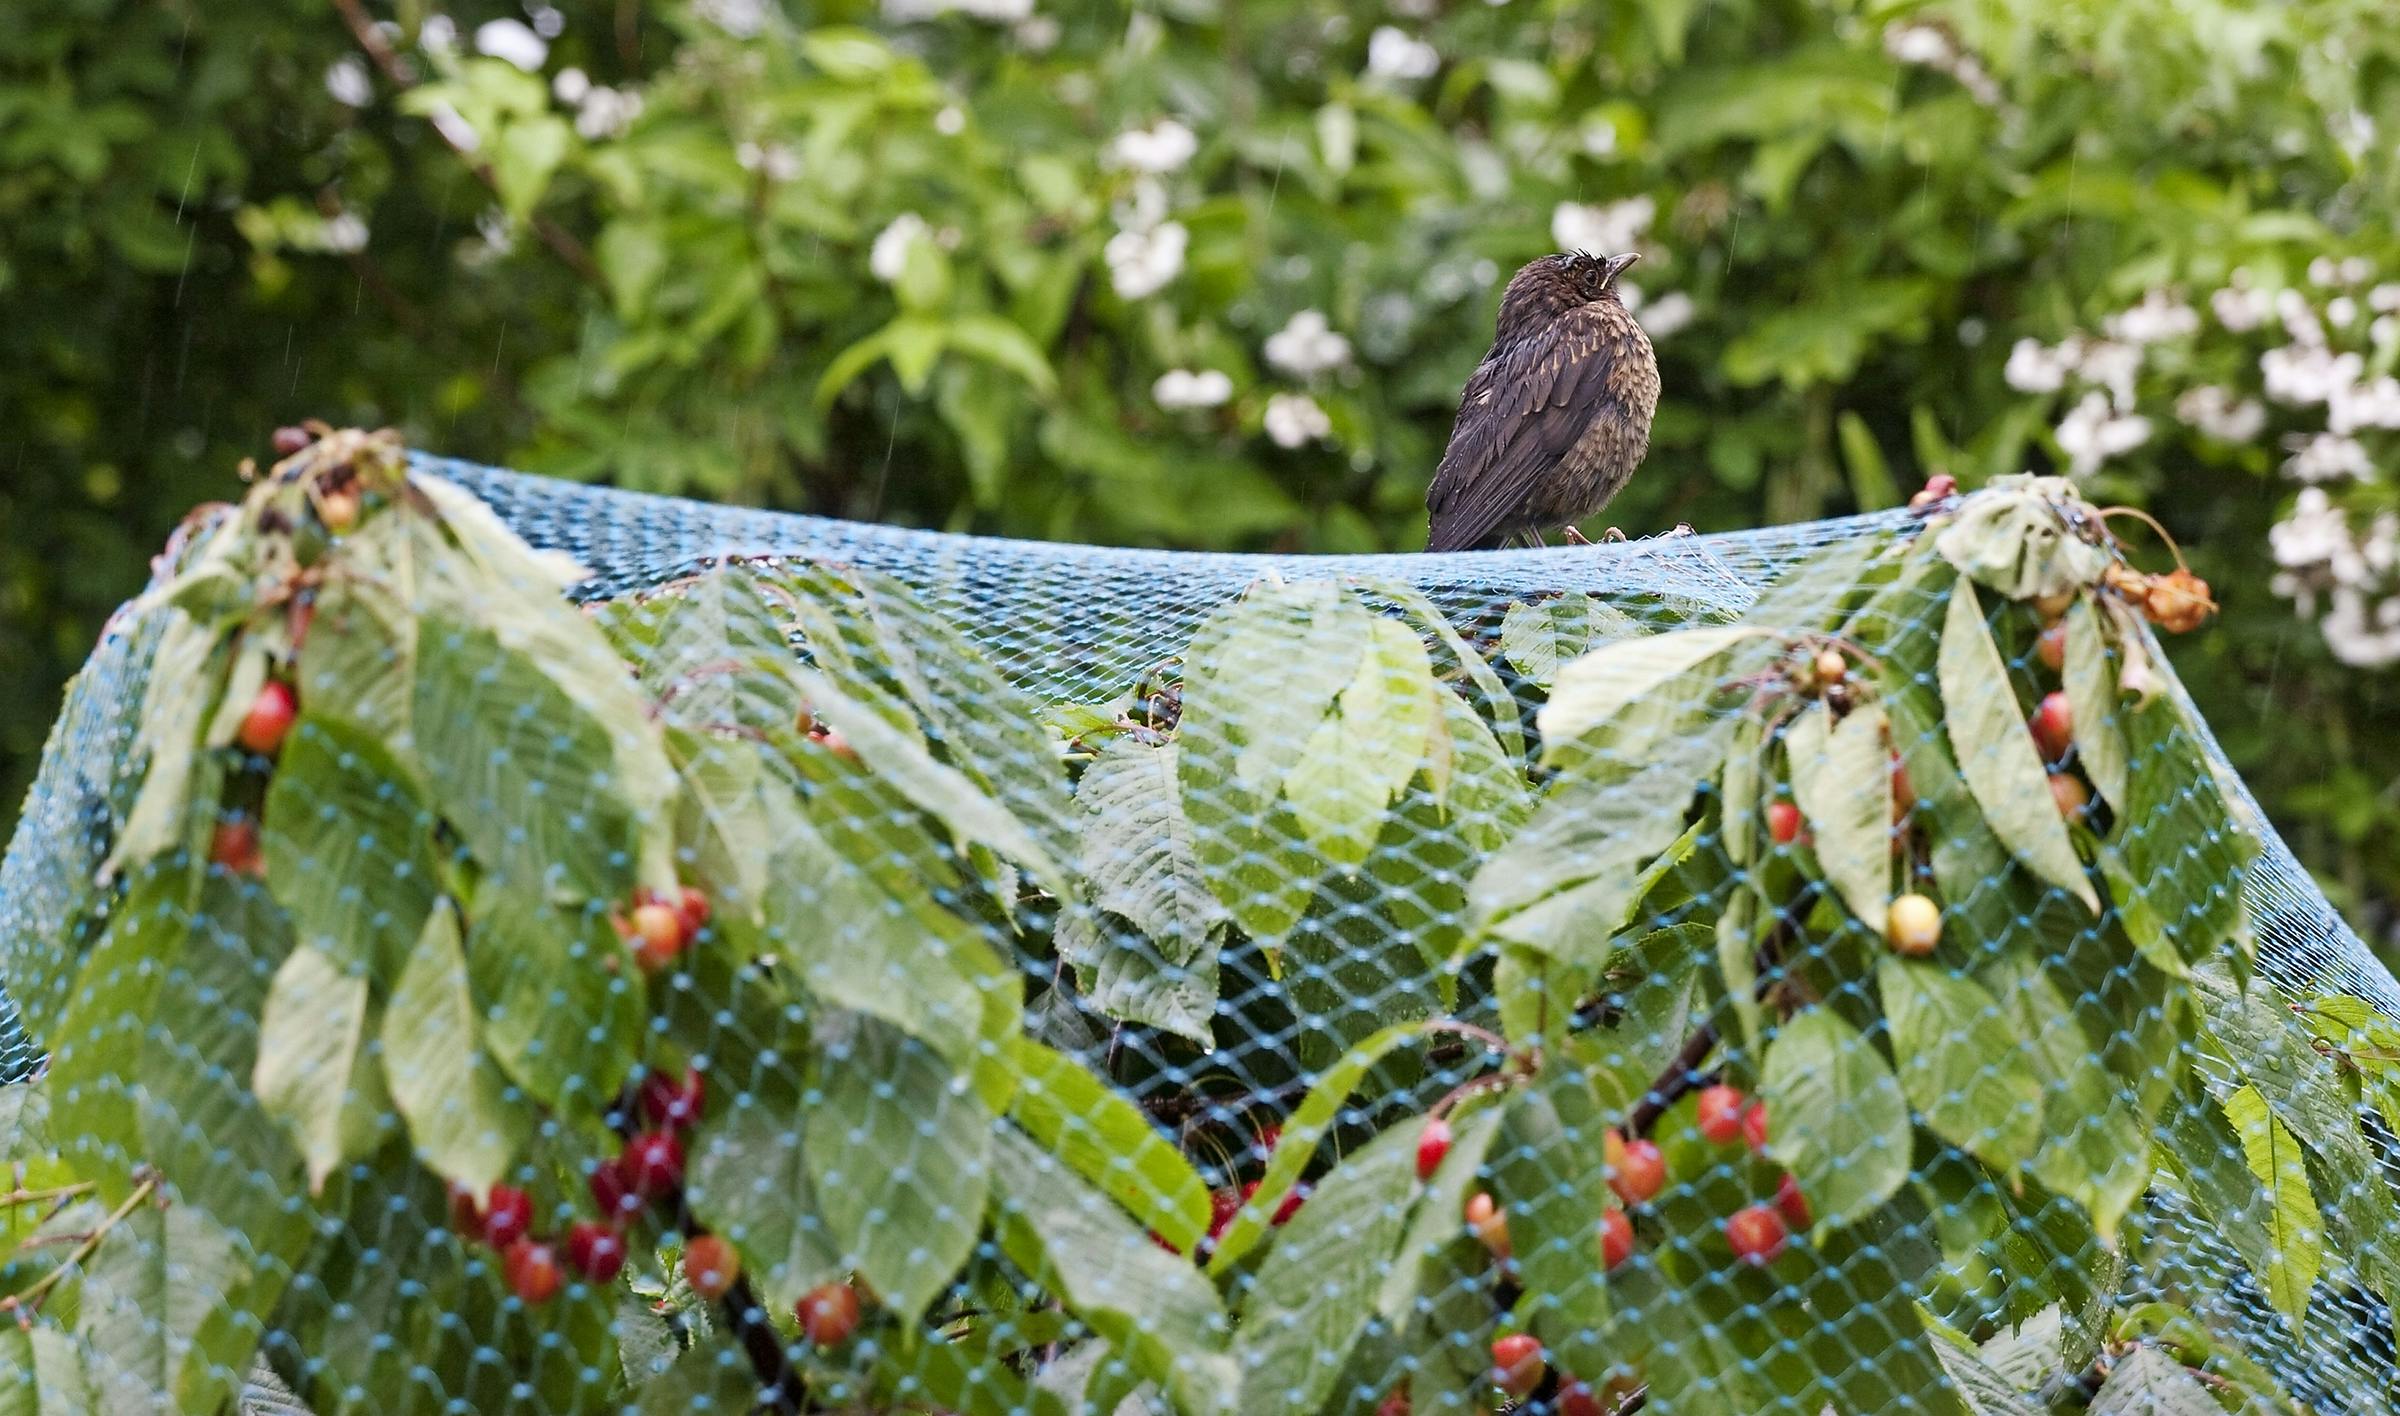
{"points": [[2372, 404], [2341, 310], [2107, 364], [1164, 146], [998, 12], [1393, 54], [776, 161], [2302, 374], [1919, 44], [2034, 367], [345, 234], [1294, 419], [438, 35], [1185, 388], [1141, 263], [2323, 271], [2315, 534], [2240, 308], [2326, 456], [548, 20], [888, 257], [1668, 313], [1307, 346], [1036, 34], [950, 121], [569, 85], [1602, 230], [2385, 330], [2384, 298], [453, 127], [740, 18], [346, 79], [2356, 269], [2093, 432], [2359, 634], [607, 113], [512, 42], [2299, 317], [2214, 411], [2160, 317]]}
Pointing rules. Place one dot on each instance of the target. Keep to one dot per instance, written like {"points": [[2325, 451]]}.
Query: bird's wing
{"points": [[1524, 408]]}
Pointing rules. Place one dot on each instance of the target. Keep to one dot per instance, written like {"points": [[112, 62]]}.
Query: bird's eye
{"points": [[1591, 278]]}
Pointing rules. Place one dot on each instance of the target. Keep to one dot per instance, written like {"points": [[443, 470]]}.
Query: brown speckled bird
{"points": [[1556, 417]]}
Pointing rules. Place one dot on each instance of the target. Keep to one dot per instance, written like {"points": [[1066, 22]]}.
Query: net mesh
{"points": [[1102, 891]]}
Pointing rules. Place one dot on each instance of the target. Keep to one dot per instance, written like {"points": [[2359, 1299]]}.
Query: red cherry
{"points": [[1394, 1403], [1791, 1203], [269, 718], [710, 1265], [1783, 822], [674, 1102], [612, 1192], [828, 1313], [693, 909], [1756, 1233], [1517, 1365], [1754, 1127], [1268, 1139], [1224, 1204], [1637, 1170], [658, 935], [2053, 726], [507, 1216], [1432, 1145], [2051, 648], [1616, 1238], [466, 1216], [1576, 1399], [234, 845], [531, 1267], [595, 1250], [652, 1164], [1721, 1113], [1904, 792], [291, 440]]}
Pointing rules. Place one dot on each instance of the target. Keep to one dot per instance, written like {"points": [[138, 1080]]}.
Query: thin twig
{"points": [[31, 1299], [1682, 1075]]}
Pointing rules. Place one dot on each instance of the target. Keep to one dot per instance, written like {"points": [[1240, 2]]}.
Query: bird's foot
{"points": [[1612, 535], [1574, 537], [1683, 528]]}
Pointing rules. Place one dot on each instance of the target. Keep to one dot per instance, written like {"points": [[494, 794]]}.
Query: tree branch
{"points": [[1682, 1075]]}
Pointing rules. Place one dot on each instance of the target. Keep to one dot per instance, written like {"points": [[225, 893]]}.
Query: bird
{"points": [[1556, 417]]}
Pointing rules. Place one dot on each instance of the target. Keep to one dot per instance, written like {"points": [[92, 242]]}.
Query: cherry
{"points": [[1904, 792], [595, 1250], [269, 719], [1223, 1205], [658, 935], [339, 509], [652, 1164], [674, 1102], [1721, 1113], [1754, 1127], [710, 1265], [1637, 1171], [291, 440], [1517, 1365], [507, 1215], [234, 845], [828, 1313], [834, 743], [2070, 794], [531, 1267], [1913, 926], [2052, 606], [1756, 1233], [612, 1192], [1831, 667], [2051, 648], [2178, 601], [1394, 1403], [466, 1216], [1576, 1399], [1791, 1203], [1616, 1239], [1432, 1145], [1488, 1223], [1783, 822], [1292, 1200], [2053, 726], [1268, 1139], [693, 908]]}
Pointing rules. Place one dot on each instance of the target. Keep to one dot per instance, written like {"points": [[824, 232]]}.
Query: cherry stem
{"points": [[1489, 1081], [31, 1299], [2152, 522], [27, 1197]]}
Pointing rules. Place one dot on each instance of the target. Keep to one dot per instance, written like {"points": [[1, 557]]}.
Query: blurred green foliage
{"points": [[663, 270]]}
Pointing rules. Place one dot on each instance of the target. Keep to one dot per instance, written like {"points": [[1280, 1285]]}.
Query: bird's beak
{"points": [[1616, 264]]}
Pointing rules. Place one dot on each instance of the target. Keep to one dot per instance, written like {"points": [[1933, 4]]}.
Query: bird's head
{"points": [[1553, 285]]}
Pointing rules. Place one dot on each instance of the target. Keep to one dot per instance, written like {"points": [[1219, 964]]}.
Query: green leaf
{"points": [[2181, 839], [1842, 780], [1108, 1141], [2092, 700], [898, 1155], [850, 363], [94, 1086], [1841, 1120], [1451, 648], [632, 254], [1540, 637], [1152, 1306], [2295, 1229], [2147, 1382], [1318, 1288], [172, 1305], [1549, 1174], [466, 1125], [2012, 538], [349, 849], [1996, 754], [176, 699], [1962, 1066], [528, 152], [2096, 1146], [748, 1181], [1605, 682], [1122, 973], [1138, 851], [308, 1048], [1000, 343], [562, 1013], [1365, 751], [1436, 1225]]}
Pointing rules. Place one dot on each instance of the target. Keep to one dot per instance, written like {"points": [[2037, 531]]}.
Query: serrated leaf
{"points": [[2012, 537], [1996, 754], [1485, 799], [1366, 750], [1842, 780], [1538, 638], [1121, 972], [2295, 1228], [1499, 704], [748, 1181], [1549, 1174], [1984, 1391], [562, 1011], [1152, 1306], [2096, 1146], [2092, 703], [349, 848], [1605, 682], [1108, 1141], [184, 669], [172, 1305], [1317, 1289], [1137, 848], [466, 1126], [898, 1154], [1436, 1224], [94, 1091], [2181, 838], [309, 1036], [2147, 1382], [1961, 1065], [1841, 1121]]}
